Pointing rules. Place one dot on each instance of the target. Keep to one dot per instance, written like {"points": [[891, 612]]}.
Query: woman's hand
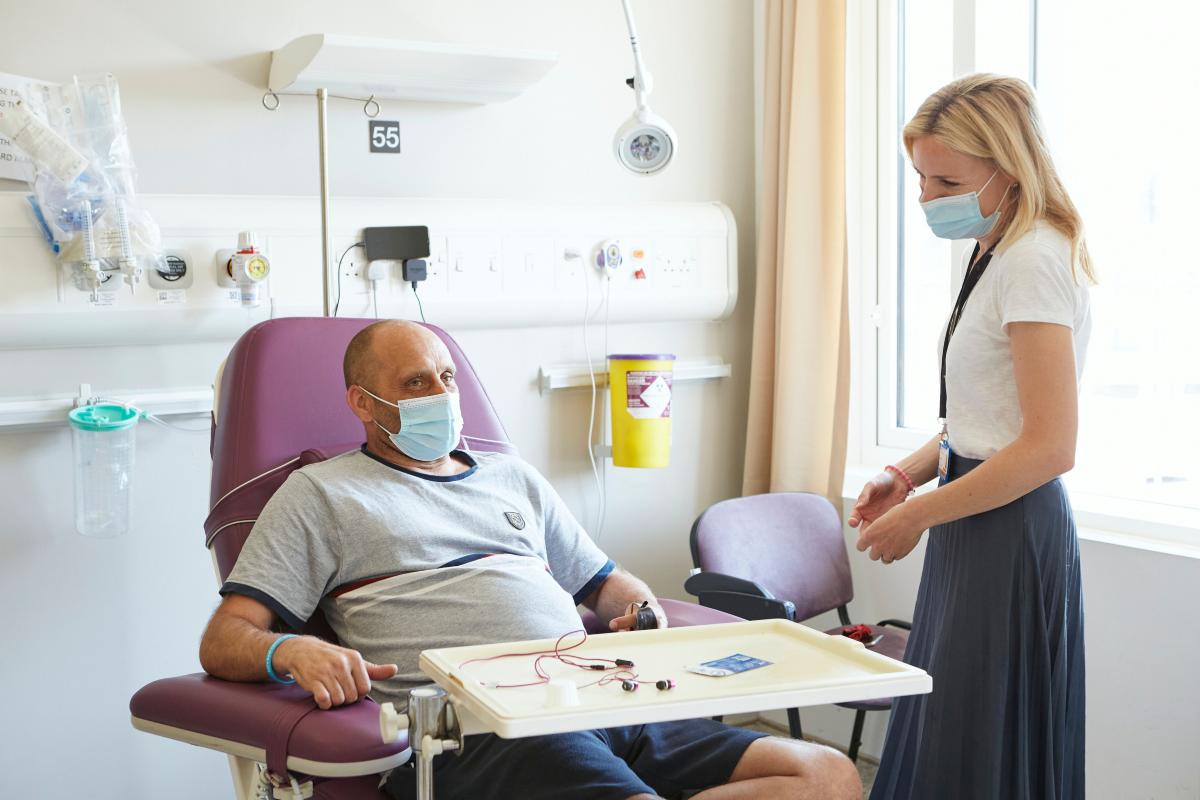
{"points": [[882, 493], [893, 535]]}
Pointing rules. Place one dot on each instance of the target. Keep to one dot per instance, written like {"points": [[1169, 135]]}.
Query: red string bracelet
{"points": [[903, 475]]}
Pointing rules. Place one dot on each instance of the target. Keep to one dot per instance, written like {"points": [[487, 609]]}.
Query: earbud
{"points": [[665, 685], [629, 686]]}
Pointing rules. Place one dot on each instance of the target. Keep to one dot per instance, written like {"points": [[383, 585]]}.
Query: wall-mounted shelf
{"points": [[575, 376], [387, 68]]}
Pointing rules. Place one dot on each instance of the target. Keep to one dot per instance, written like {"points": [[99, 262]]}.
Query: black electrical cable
{"points": [[417, 295], [358, 244]]}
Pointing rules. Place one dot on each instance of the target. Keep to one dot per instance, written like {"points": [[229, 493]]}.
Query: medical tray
{"points": [[808, 668]]}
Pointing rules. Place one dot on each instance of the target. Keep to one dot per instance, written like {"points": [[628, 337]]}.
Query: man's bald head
{"points": [[378, 346]]}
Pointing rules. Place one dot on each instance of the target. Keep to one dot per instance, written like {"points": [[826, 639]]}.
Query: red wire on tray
{"points": [[618, 671]]}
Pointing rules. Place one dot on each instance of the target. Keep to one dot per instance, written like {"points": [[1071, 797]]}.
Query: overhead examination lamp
{"points": [[645, 144]]}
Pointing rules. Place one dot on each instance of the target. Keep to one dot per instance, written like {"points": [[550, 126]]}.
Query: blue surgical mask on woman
{"points": [[429, 426], [959, 217]]}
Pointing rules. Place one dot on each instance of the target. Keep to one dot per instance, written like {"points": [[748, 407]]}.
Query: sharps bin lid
{"points": [[641, 357]]}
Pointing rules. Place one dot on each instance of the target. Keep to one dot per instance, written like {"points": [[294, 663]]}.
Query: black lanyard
{"points": [[974, 273]]}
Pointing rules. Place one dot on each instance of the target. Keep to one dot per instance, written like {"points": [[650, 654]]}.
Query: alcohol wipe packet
{"points": [[729, 665]]}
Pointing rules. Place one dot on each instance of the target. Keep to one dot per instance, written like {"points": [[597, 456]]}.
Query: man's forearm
{"points": [[235, 650], [617, 592]]}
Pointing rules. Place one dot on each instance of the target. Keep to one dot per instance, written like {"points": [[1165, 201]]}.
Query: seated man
{"points": [[408, 545]]}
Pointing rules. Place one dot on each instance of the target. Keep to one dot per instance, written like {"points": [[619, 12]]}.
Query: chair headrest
{"points": [[282, 402]]}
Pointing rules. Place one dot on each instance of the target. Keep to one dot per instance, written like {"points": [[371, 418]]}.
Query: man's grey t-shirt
{"points": [[402, 562]]}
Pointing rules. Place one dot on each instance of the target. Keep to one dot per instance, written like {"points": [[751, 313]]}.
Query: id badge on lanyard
{"points": [[974, 273], [944, 457]]}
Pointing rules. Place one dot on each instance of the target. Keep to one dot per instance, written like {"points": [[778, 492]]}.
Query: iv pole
{"points": [[270, 102], [323, 144]]}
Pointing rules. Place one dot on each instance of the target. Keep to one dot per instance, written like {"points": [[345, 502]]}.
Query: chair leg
{"points": [[856, 734], [793, 715], [245, 778]]}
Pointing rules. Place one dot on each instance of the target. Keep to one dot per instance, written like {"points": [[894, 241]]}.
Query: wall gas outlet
{"points": [[175, 272]]}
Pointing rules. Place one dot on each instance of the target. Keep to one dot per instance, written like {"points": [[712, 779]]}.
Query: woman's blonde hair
{"points": [[996, 118]]}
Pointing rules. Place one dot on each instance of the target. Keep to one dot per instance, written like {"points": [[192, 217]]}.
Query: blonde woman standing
{"points": [[999, 615]]}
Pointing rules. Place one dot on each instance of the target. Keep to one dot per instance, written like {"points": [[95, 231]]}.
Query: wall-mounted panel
{"points": [[492, 263]]}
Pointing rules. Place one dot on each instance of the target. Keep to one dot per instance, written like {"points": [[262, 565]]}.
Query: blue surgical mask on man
{"points": [[959, 217], [429, 426]]}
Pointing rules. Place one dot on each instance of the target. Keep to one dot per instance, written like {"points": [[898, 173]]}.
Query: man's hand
{"points": [[334, 675], [629, 621]]}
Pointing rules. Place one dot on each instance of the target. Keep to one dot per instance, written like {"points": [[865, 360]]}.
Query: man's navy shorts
{"points": [[664, 758]]}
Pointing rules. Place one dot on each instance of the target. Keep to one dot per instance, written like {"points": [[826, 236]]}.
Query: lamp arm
{"points": [[641, 78]]}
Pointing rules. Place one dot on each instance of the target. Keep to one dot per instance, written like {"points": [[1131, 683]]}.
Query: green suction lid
{"points": [[103, 417]]}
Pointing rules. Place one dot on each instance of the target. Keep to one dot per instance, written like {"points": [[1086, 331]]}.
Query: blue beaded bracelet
{"points": [[270, 652]]}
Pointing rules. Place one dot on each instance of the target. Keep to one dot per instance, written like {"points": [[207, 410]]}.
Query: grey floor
{"points": [[866, 766]]}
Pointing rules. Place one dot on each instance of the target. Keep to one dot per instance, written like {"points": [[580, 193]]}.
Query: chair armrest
{"points": [[749, 606], [241, 719], [680, 614], [704, 582], [896, 623]]}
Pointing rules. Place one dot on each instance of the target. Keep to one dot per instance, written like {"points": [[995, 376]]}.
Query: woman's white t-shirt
{"points": [[1031, 281]]}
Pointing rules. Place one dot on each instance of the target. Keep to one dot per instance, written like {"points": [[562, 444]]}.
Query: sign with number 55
{"points": [[385, 136]]}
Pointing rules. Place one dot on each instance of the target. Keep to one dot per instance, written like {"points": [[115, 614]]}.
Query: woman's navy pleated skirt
{"points": [[999, 627]]}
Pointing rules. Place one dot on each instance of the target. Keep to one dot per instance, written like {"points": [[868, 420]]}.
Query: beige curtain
{"points": [[800, 372]]}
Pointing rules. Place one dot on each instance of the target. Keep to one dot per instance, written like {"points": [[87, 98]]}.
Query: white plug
{"points": [[377, 270]]}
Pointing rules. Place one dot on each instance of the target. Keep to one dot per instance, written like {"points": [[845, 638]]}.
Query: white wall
{"points": [[91, 621]]}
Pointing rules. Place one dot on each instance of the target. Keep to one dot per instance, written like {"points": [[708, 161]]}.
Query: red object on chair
{"points": [[281, 405], [859, 633]]}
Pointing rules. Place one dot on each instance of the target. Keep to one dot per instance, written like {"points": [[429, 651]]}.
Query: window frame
{"points": [[876, 439]]}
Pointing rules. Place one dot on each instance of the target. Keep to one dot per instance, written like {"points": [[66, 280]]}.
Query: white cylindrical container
{"points": [[561, 693], [102, 436]]}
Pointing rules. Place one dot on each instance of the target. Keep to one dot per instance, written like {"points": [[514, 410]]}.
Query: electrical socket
{"points": [[569, 268], [436, 267]]}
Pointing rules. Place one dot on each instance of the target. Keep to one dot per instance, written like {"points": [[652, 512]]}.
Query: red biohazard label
{"points": [[648, 394]]}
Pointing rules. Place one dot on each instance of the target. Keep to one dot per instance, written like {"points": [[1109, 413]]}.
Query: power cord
{"points": [[417, 295], [587, 349], [339, 275], [607, 352]]}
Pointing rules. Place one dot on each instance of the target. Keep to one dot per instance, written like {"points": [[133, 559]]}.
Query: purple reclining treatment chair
{"points": [[783, 556], [280, 405]]}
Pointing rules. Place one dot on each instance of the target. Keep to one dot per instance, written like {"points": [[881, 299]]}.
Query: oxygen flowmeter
{"points": [[247, 267]]}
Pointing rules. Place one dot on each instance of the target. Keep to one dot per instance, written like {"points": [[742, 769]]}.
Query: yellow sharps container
{"points": [[641, 409]]}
